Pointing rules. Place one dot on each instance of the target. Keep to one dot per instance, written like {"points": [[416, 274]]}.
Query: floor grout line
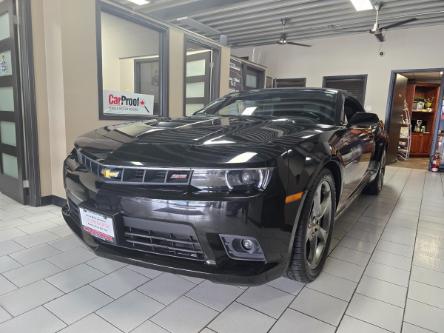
{"points": [[288, 307], [166, 305], [311, 316], [372, 324], [425, 329]]}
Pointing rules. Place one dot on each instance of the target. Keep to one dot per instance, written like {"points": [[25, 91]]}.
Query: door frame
{"points": [[138, 76], [388, 110], [438, 120], [29, 112]]}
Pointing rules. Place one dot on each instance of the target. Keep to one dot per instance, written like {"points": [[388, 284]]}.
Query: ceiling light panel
{"points": [[140, 2], [361, 5]]}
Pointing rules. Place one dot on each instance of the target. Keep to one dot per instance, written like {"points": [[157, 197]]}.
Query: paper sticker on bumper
{"points": [[97, 225]]}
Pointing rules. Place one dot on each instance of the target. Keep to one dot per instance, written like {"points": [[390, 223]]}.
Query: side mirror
{"points": [[364, 119]]}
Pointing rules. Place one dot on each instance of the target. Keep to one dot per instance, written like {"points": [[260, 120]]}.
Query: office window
{"points": [[353, 84], [245, 75], [131, 67], [290, 83], [254, 78]]}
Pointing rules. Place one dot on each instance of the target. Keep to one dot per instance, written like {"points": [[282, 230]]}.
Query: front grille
{"points": [[182, 244], [169, 244], [135, 175]]}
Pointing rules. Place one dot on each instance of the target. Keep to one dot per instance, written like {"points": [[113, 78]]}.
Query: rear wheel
{"points": [[313, 235], [375, 186]]}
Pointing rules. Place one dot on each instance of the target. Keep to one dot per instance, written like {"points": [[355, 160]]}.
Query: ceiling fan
{"points": [[283, 38], [378, 31]]}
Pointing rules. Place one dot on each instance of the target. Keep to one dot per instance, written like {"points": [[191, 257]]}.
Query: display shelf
{"points": [[421, 116]]}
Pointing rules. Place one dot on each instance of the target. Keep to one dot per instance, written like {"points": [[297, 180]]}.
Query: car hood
{"points": [[197, 141]]}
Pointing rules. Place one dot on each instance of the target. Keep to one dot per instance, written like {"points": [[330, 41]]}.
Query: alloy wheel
{"points": [[318, 226]]}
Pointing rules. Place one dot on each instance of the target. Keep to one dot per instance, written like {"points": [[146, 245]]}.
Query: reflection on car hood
{"points": [[197, 141]]}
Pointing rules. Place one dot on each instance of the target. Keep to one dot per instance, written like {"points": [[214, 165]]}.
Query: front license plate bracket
{"points": [[99, 225]]}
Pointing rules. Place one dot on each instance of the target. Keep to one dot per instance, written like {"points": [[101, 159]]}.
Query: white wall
{"points": [[55, 92], [414, 48]]}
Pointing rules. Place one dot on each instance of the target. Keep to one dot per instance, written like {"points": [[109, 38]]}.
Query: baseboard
{"points": [[53, 200]]}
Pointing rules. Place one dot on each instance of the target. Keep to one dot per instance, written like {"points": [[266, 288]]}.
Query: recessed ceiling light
{"points": [[441, 73], [140, 2], [362, 5]]}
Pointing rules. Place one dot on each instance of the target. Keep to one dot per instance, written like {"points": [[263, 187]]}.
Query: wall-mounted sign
{"points": [[235, 82], [125, 103]]}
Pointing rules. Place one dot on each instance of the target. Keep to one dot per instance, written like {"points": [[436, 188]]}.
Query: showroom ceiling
{"points": [[258, 22]]}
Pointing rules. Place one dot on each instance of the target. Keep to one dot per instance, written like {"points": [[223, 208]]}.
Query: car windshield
{"points": [[315, 105]]}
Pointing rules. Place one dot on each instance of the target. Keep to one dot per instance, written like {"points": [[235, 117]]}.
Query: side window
{"points": [[351, 106]]}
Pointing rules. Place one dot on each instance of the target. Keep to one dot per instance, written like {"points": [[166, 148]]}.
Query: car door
{"points": [[355, 149]]}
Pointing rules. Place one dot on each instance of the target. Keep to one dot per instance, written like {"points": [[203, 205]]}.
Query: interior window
{"points": [[355, 85], [131, 68]]}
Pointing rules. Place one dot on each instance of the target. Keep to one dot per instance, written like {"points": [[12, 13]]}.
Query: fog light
{"points": [[241, 248], [247, 244]]}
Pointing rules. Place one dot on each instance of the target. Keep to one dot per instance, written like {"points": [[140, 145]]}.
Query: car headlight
{"points": [[231, 179]]}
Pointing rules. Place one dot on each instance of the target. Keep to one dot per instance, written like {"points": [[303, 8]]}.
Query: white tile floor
{"points": [[385, 273]]}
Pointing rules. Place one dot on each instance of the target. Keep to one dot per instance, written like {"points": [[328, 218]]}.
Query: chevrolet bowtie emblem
{"points": [[110, 174]]}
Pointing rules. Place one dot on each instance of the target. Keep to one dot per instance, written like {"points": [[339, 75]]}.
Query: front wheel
{"points": [[313, 234]]}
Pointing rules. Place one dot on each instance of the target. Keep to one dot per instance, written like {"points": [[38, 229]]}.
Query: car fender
{"points": [[303, 170]]}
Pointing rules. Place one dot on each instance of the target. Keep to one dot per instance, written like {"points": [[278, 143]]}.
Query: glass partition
{"points": [[7, 99], [10, 165], [4, 26], [8, 133]]}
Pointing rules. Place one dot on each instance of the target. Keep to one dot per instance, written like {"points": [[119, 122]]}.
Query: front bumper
{"points": [[262, 216]]}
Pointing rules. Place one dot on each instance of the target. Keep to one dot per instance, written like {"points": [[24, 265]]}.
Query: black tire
{"points": [[375, 186], [300, 268]]}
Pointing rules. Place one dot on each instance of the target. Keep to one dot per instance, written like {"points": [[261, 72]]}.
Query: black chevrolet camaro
{"points": [[244, 191]]}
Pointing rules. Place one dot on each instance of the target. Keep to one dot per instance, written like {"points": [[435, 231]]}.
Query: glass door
{"points": [[198, 77], [11, 157]]}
